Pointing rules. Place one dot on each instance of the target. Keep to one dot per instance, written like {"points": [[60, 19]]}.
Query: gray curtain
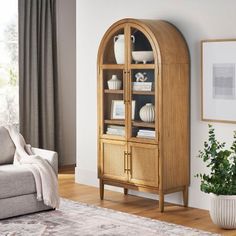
{"points": [[38, 73]]}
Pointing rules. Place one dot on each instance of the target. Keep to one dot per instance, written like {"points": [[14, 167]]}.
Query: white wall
{"points": [[197, 20], [66, 32]]}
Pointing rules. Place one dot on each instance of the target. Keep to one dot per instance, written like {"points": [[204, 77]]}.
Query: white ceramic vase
{"points": [[119, 47], [147, 113], [114, 83], [223, 210]]}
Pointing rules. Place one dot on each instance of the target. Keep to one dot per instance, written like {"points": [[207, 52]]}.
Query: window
{"points": [[9, 92]]}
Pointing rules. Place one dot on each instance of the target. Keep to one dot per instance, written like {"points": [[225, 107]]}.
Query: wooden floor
{"points": [[136, 205]]}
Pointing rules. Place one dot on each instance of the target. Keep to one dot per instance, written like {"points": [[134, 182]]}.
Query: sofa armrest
{"points": [[50, 156]]}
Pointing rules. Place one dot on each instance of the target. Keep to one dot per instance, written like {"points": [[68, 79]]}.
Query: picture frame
{"points": [[218, 80], [118, 109]]}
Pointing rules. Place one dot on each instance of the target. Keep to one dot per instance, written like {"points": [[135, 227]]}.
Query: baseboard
{"points": [[67, 167], [86, 177]]}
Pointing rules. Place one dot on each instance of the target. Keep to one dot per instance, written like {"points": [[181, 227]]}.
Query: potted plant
{"points": [[220, 183]]}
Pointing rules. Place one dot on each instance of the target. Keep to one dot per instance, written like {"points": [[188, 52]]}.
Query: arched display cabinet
{"points": [[133, 153]]}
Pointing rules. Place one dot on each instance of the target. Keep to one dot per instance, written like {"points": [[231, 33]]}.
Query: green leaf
{"points": [[222, 164]]}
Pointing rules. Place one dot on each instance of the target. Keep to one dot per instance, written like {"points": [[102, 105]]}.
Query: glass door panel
{"points": [[144, 97], [141, 49], [114, 109], [114, 52]]}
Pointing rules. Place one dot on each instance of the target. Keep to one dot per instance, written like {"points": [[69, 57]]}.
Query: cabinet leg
{"points": [[101, 189], [161, 201], [185, 196], [125, 191]]}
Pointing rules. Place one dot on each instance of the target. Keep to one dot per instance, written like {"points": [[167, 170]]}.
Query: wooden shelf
{"points": [[132, 66], [115, 122], [113, 66], [143, 140], [142, 66], [143, 92], [113, 91], [143, 124]]}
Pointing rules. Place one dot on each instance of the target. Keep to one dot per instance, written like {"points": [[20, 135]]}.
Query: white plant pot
{"points": [[147, 113], [223, 210]]}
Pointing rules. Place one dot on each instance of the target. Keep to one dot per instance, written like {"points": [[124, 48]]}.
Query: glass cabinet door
{"points": [[128, 86], [113, 84], [143, 93], [142, 88], [115, 51], [114, 106]]}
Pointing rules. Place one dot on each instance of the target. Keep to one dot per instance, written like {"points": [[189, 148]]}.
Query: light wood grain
{"points": [[143, 124], [186, 216], [114, 91], [142, 66], [143, 162], [113, 160], [175, 126], [162, 167]]}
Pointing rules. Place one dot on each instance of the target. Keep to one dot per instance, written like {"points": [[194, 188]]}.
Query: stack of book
{"points": [[116, 130], [144, 133], [142, 86]]}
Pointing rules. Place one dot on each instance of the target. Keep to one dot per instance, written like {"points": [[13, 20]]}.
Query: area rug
{"points": [[74, 218]]}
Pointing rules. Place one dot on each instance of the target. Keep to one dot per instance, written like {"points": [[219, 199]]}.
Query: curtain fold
{"points": [[38, 80]]}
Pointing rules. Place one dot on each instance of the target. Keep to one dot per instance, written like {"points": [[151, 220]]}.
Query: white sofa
{"points": [[17, 184]]}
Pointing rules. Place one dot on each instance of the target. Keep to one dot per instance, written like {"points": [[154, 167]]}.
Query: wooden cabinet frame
{"points": [[168, 152]]}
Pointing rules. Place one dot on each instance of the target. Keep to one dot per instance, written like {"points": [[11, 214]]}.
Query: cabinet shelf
{"points": [[115, 122], [144, 92], [113, 91], [142, 66], [132, 66], [143, 140], [143, 124], [113, 66]]}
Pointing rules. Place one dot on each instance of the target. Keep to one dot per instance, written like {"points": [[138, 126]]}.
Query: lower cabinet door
{"points": [[113, 160], [143, 161]]}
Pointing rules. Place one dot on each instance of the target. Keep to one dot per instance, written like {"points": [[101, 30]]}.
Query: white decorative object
{"points": [[147, 113], [118, 109], [142, 56], [114, 83], [146, 133], [119, 47], [141, 77], [116, 130], [142, 86], [223, 210]]}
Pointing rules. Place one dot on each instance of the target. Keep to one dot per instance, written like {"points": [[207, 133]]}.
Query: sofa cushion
{"points": [[7, 147], [15, 180]]}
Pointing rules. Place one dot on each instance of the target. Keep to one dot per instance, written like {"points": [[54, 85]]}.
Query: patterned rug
{"points": [[76, 218]]}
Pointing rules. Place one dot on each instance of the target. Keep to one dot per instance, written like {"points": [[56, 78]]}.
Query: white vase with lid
{"points": [[119, 47], [147, 113], [114, 83]]}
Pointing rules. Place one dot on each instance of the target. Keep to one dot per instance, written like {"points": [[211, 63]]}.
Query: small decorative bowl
{"points": [[142, 56]]}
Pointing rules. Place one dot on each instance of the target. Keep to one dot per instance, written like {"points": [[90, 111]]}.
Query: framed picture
{"points": [[219, 80], [118, 109]]}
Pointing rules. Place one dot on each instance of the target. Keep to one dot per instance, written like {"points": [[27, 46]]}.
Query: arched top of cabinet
{"points": [[166, 40]]}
